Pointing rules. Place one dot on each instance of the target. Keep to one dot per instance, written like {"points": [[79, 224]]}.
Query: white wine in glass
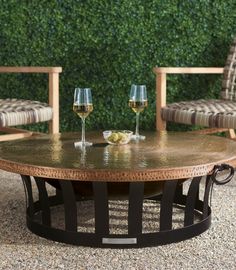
{"points": [[83, 106], [138, 102]]}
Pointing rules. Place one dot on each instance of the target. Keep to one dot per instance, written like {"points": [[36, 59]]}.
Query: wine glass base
{"points": [[138, 137], [82, 144]]}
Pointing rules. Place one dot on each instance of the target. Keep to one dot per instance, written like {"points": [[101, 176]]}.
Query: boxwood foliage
{"points": [[108, 45]]}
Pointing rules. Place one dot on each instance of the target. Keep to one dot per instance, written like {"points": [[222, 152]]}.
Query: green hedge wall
{"points": [[108, 45]]}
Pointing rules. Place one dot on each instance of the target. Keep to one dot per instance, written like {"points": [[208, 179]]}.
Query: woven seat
{"points": [[15, 112], [214, 113]]}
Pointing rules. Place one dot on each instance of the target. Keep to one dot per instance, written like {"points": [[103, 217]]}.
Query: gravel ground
{"points": [[20, 249]]}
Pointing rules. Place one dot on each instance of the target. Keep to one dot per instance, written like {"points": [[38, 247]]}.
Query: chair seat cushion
{"points": [[213, 113], [15, 112]]}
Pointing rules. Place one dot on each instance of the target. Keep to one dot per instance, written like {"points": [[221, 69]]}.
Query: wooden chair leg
{"points": [[13, 134], [208, 130], [231, 134]]}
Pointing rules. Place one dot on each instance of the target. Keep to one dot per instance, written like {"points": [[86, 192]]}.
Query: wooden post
{"points": [[160, 100], [54, 101]]}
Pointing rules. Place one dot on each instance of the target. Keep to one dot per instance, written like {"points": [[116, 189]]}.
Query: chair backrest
{"points": [[229, 81]]}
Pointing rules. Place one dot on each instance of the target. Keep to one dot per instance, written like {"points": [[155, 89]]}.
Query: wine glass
{"points": [[137, 102], [83, 106]]}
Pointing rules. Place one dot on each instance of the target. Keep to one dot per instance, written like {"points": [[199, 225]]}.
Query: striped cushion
{"points": [[209, 113], [15, 112]]}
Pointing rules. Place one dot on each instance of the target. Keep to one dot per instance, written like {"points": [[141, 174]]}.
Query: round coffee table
{"points": [[166, 170]]}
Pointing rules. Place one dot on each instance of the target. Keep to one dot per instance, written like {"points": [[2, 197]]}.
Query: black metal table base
{"points": [[39, 218]]}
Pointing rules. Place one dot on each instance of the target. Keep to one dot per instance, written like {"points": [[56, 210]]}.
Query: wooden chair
{"points": [[14, 112], [216, 114]]}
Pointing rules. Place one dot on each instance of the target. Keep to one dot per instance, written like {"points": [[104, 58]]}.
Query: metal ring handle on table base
{"points": [[220, 168], [40, 218], [217, 169]]}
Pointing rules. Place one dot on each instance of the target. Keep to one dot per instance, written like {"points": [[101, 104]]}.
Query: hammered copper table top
{"points": [[161, 156]]}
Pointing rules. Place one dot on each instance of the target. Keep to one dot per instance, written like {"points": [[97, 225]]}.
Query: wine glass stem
{"points": [[137, 124], [83, 131]]}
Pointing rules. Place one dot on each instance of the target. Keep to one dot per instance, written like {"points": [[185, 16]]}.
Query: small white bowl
{"points": [[117, 137]]}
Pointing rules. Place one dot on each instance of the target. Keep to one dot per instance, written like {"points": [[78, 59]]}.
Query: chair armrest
{"points": [[30, 69], [161, 73], [188, 70], [53, 88]]}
